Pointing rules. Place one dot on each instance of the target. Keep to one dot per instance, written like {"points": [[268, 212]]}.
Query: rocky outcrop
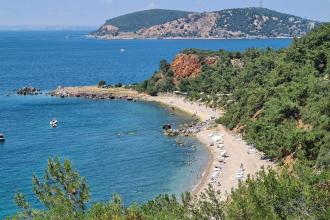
{"points": [[189, 129], [167, 127], [28, 91], [93, 92], [185, 65], [108, 30], [195, 24]]}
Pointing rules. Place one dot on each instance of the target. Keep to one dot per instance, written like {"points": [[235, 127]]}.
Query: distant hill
{"points": [[144, 19], [229, 23]]}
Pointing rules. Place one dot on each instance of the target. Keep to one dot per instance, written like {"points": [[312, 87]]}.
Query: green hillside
{"points": [[279, 100], [271, 23], [144, 19]]}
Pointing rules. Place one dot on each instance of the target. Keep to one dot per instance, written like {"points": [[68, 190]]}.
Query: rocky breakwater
{"points": [[94, 92], [28, 91]]}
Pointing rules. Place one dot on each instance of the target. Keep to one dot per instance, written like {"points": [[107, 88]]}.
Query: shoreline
{"points": [[237, 150], [187, 38], [226, 156]]}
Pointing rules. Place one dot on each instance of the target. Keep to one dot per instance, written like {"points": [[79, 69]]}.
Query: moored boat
{"points": [[2, 137], [53, 123]]}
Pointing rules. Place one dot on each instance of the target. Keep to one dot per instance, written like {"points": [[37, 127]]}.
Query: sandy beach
{"points": [[237, 150], [231, 159]]}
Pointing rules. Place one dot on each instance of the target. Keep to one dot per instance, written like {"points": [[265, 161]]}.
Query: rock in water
{"points": [[167, 127], [28, 91]]}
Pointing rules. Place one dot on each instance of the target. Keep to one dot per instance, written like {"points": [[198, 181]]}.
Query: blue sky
{"points": [[95, 12]]}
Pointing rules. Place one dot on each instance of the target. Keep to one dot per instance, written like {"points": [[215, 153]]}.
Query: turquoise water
{"points": [[117, 145]]}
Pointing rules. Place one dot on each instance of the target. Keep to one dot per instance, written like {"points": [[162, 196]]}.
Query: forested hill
{"points": [[229, 23], [143, 19], [279, 100]]}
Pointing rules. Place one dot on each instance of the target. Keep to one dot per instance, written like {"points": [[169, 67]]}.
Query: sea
{"points": [[118, 146]]}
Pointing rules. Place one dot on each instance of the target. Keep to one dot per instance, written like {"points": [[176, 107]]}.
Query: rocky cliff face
{"points": [[190, 65], [108, 30], [185, 65], [195, 24], [230, 23]]}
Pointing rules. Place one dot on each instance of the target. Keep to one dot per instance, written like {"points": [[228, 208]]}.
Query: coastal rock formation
{"points": [[28, 91], [167, 126], [195, 24], [185, 65], [109, 30], [188, 64], [229, 23]]}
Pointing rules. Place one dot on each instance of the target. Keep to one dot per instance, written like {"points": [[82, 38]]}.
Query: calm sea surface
{"points": [[117, 145]]}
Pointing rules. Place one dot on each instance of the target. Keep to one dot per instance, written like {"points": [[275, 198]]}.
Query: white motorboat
{"points": [[2, 137], [53, 123]]}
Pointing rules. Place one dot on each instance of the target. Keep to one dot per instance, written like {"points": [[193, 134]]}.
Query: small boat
{"points": [[2, 137], [53, 123], [122, 50]]}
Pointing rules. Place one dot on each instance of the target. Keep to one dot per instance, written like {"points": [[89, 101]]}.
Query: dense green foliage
{"points": [[144, 19], [279, 99], [243, 20], [295, 193], [298, 194], [161, 81]]}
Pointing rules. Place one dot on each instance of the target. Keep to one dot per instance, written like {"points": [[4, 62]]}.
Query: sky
{"points": [[95, 12]]}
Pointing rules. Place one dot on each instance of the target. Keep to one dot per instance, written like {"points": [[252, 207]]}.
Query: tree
{"points": [[63, 191]]}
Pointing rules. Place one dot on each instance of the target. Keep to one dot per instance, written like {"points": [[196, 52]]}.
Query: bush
{"points": [[101, 84], [118, 85]]}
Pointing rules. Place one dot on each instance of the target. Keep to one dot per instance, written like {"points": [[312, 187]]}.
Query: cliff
{"points": [[185, 65], [229, 23]]}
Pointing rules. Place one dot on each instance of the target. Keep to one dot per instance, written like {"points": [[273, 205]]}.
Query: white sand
{"points": [[235, 147]]}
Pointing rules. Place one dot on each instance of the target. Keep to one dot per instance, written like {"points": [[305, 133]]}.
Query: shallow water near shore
{"points": [[117, 145]]}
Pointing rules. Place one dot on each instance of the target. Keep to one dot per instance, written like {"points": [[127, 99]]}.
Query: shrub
{"points": [[101, 84]]}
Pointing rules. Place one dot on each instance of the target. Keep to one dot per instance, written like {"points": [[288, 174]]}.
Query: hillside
{"points": [[229, 23], [279, 100], [144, 19]]}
